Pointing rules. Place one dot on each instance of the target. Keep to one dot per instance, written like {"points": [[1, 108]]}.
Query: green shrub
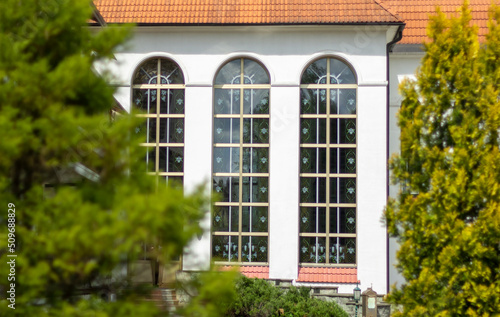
{"points": [[257, 298]]}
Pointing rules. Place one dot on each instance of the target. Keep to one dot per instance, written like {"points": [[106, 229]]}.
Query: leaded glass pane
{"points": [[347, 220], [256, 101], [255, 130], [333, 220], [171, 130], [313, 101], [164, 101], [334, 100], [227, 101], [176, 134], [347, 190], [347, 101], [312, 220], [147, 73], [347, 131], [334, 131], [172, 101], [226, 160], [171, 159], [150, 159], [226, 187], [313, 160], [170, 73], [254, 249], [254, 219], [333, 160], [141, 99], [333, 190], [312, 250], [226, 130], [245, 219], [334, 250], [229, 73], [260, 219], [313, 131], [225, 248], [147, 130], [225, 219], [254, 73], [343, 250], [348, 160], [255, 160], [312, 190], [255, 189], [341, 73], [315, 73]]}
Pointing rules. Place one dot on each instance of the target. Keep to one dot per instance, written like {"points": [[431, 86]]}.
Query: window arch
{"points": [[241, 163], [328, 100], [158, 90]]}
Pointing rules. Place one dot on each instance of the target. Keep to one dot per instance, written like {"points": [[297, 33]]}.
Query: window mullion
{"points": [[327, 180], [240, 177]]}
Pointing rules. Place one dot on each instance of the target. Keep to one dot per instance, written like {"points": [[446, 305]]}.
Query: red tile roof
{"points": [[328, 275], [250, 271], [245, 11], [416, 15]]}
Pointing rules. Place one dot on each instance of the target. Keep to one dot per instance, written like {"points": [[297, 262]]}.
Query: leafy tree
{"points": [[82, 210], [447, 218], [258, 298]]}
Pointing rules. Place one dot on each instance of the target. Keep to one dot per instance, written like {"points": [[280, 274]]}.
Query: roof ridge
{"points": [[388, 8]]}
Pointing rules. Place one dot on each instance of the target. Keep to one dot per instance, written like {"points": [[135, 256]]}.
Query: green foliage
{"points": [[210, 294], [74, 237], [257, 298], [447, 218]]}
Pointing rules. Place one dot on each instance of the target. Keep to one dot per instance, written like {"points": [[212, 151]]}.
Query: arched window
{"points": [[328, 163], [241, 163], [158, 90]]}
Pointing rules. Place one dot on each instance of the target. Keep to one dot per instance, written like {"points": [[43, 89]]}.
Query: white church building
{"points": [[287, 110]]}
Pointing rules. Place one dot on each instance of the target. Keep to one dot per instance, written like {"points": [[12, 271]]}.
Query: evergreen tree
{"points": [[70, 176], [447, 217]]}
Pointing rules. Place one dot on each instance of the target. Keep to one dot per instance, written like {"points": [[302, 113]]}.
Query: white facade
{"points": [[285, 51], [402, 66]]}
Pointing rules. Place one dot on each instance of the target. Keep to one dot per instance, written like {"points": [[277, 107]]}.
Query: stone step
{"points": [[164, 299]]}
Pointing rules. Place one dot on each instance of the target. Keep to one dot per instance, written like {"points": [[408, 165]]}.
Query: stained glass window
{"points": [[240, 219], [328, 98], [158, 91]]}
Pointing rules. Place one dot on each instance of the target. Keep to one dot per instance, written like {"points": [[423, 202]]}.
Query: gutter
{"points": [[397, 37], [97, 15]]}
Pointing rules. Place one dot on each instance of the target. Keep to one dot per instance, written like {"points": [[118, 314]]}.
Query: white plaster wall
{"points": [[201, 50], [401, 65], [284, 193], [285, 52], [372, 186], [198, 166]]}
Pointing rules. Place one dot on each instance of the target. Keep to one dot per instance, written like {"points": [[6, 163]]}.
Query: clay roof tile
{"points": [[248, 11], [416, 15], [327, 275]]}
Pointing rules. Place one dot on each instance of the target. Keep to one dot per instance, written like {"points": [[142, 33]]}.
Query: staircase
{"points": [[164, 298]]}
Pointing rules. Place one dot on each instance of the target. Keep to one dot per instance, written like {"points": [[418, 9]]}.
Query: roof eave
{"points": [[142, 24]]}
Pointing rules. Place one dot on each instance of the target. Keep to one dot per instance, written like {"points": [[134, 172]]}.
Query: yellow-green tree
{"points": [[447, 217], [70, 176]]}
